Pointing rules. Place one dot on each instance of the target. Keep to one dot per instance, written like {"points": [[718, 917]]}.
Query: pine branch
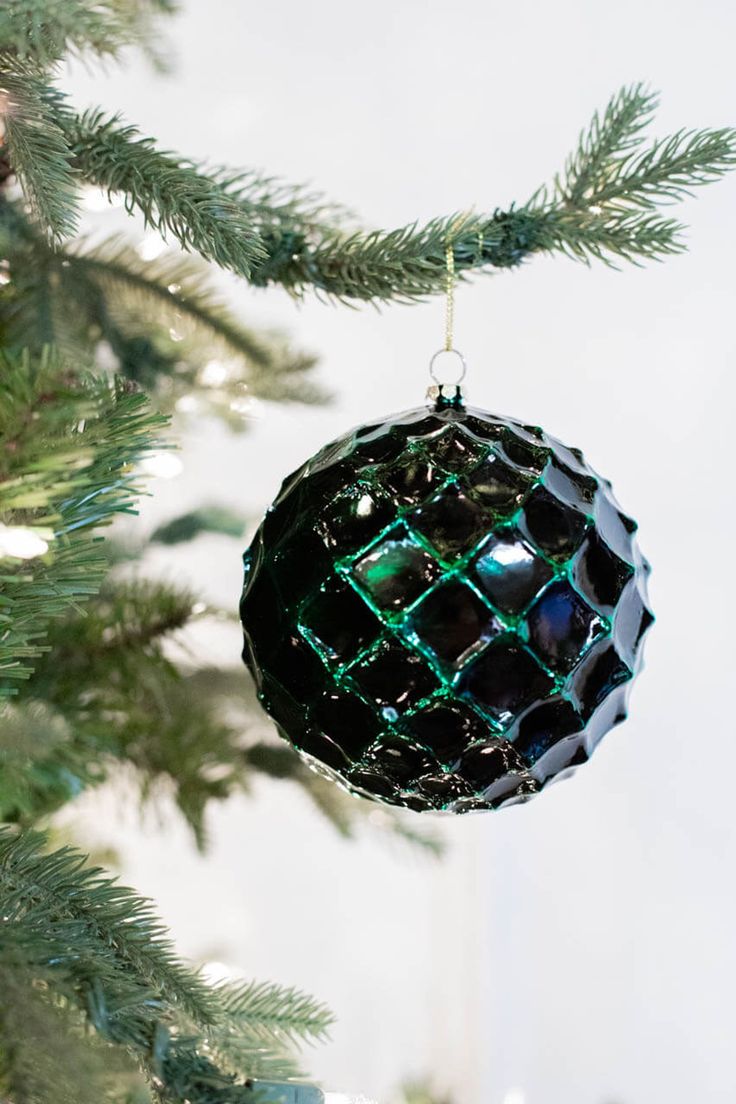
{"points": [[174, 291], [37, 147], [80, 295], [26, 299], [607, 236], [260, 1025], [207, 519], [65, 465], [404, 264], [668, 171], [603, 206], [132, 615], [90, 929], [174, 197], [605, 180], [272, 233], [272, 1015], [97, 945], [41, 766], [47, 1057], [45, 30], [125, 702], [609, 137]]}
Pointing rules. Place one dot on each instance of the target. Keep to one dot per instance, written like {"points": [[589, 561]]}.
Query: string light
{"points": [[161, 465], [514, 1096], [152, 246], [217, 972], [20, 543], [97, 199], [214, 373], [187, 404], [243, 405], [345, 1098]]}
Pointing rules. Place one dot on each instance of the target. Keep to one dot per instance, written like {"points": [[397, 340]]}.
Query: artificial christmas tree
{"points": [[87, 331]]}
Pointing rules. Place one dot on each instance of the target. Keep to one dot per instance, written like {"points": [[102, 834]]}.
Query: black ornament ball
{"points": [[445, 610]]}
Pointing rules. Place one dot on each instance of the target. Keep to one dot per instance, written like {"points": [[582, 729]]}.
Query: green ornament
{"points": [[445, 610]]}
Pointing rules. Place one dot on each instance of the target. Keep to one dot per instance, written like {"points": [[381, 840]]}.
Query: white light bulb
{"points": [[514, 1096], [214, 373], [21, 543], [162, 465], [187, 404], [152, 246], [97, 199], [347, 1098], [242, 405], [215, 972]]}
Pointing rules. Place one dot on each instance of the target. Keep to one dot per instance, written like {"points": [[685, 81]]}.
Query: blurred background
{"points": [[578, 950]]}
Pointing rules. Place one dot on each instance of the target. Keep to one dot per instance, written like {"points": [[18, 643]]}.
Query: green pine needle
{"points": [[79, 922], [47, 1056], [45, 30], [274, 1015], [176, 290], [37, 147], [65, 470], [41, 766], [611, 136], [270, 232], [96, 946], [173, 196]]}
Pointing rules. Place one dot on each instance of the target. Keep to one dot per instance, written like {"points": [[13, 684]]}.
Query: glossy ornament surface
{"points": [[445, 610]]}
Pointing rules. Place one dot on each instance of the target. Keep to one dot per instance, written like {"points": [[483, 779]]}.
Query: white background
{"points": [[578, 950]]}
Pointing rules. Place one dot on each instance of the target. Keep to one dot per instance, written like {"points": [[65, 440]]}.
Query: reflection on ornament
{"points": [[445, 610]]}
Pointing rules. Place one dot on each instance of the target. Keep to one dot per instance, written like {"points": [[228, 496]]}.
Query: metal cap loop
{"points": [[462, 370]]}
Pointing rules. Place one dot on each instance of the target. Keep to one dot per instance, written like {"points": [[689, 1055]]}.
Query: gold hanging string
{"points": [[449, 295], [448, 347]]}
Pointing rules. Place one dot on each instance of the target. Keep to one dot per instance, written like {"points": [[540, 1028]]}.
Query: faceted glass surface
{"points": [[453, 452], [452, 622], [395, 571], [401, 759], [445, 610], [556, 528], [544, 726], [451, 521], [561, 626], [600, 574], [354, 518], [394, 678], [497, 485], [505, 679], [510, 572], [339, 621], [445, 727]]}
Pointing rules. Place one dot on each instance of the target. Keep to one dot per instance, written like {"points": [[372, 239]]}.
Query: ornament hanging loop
{"points": [[461, 369]]}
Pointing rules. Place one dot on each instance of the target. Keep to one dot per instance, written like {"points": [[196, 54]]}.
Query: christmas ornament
{"points": [[445, 610]]}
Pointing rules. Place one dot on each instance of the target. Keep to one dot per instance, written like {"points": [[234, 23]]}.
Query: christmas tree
{"points": [[99, 349]]}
